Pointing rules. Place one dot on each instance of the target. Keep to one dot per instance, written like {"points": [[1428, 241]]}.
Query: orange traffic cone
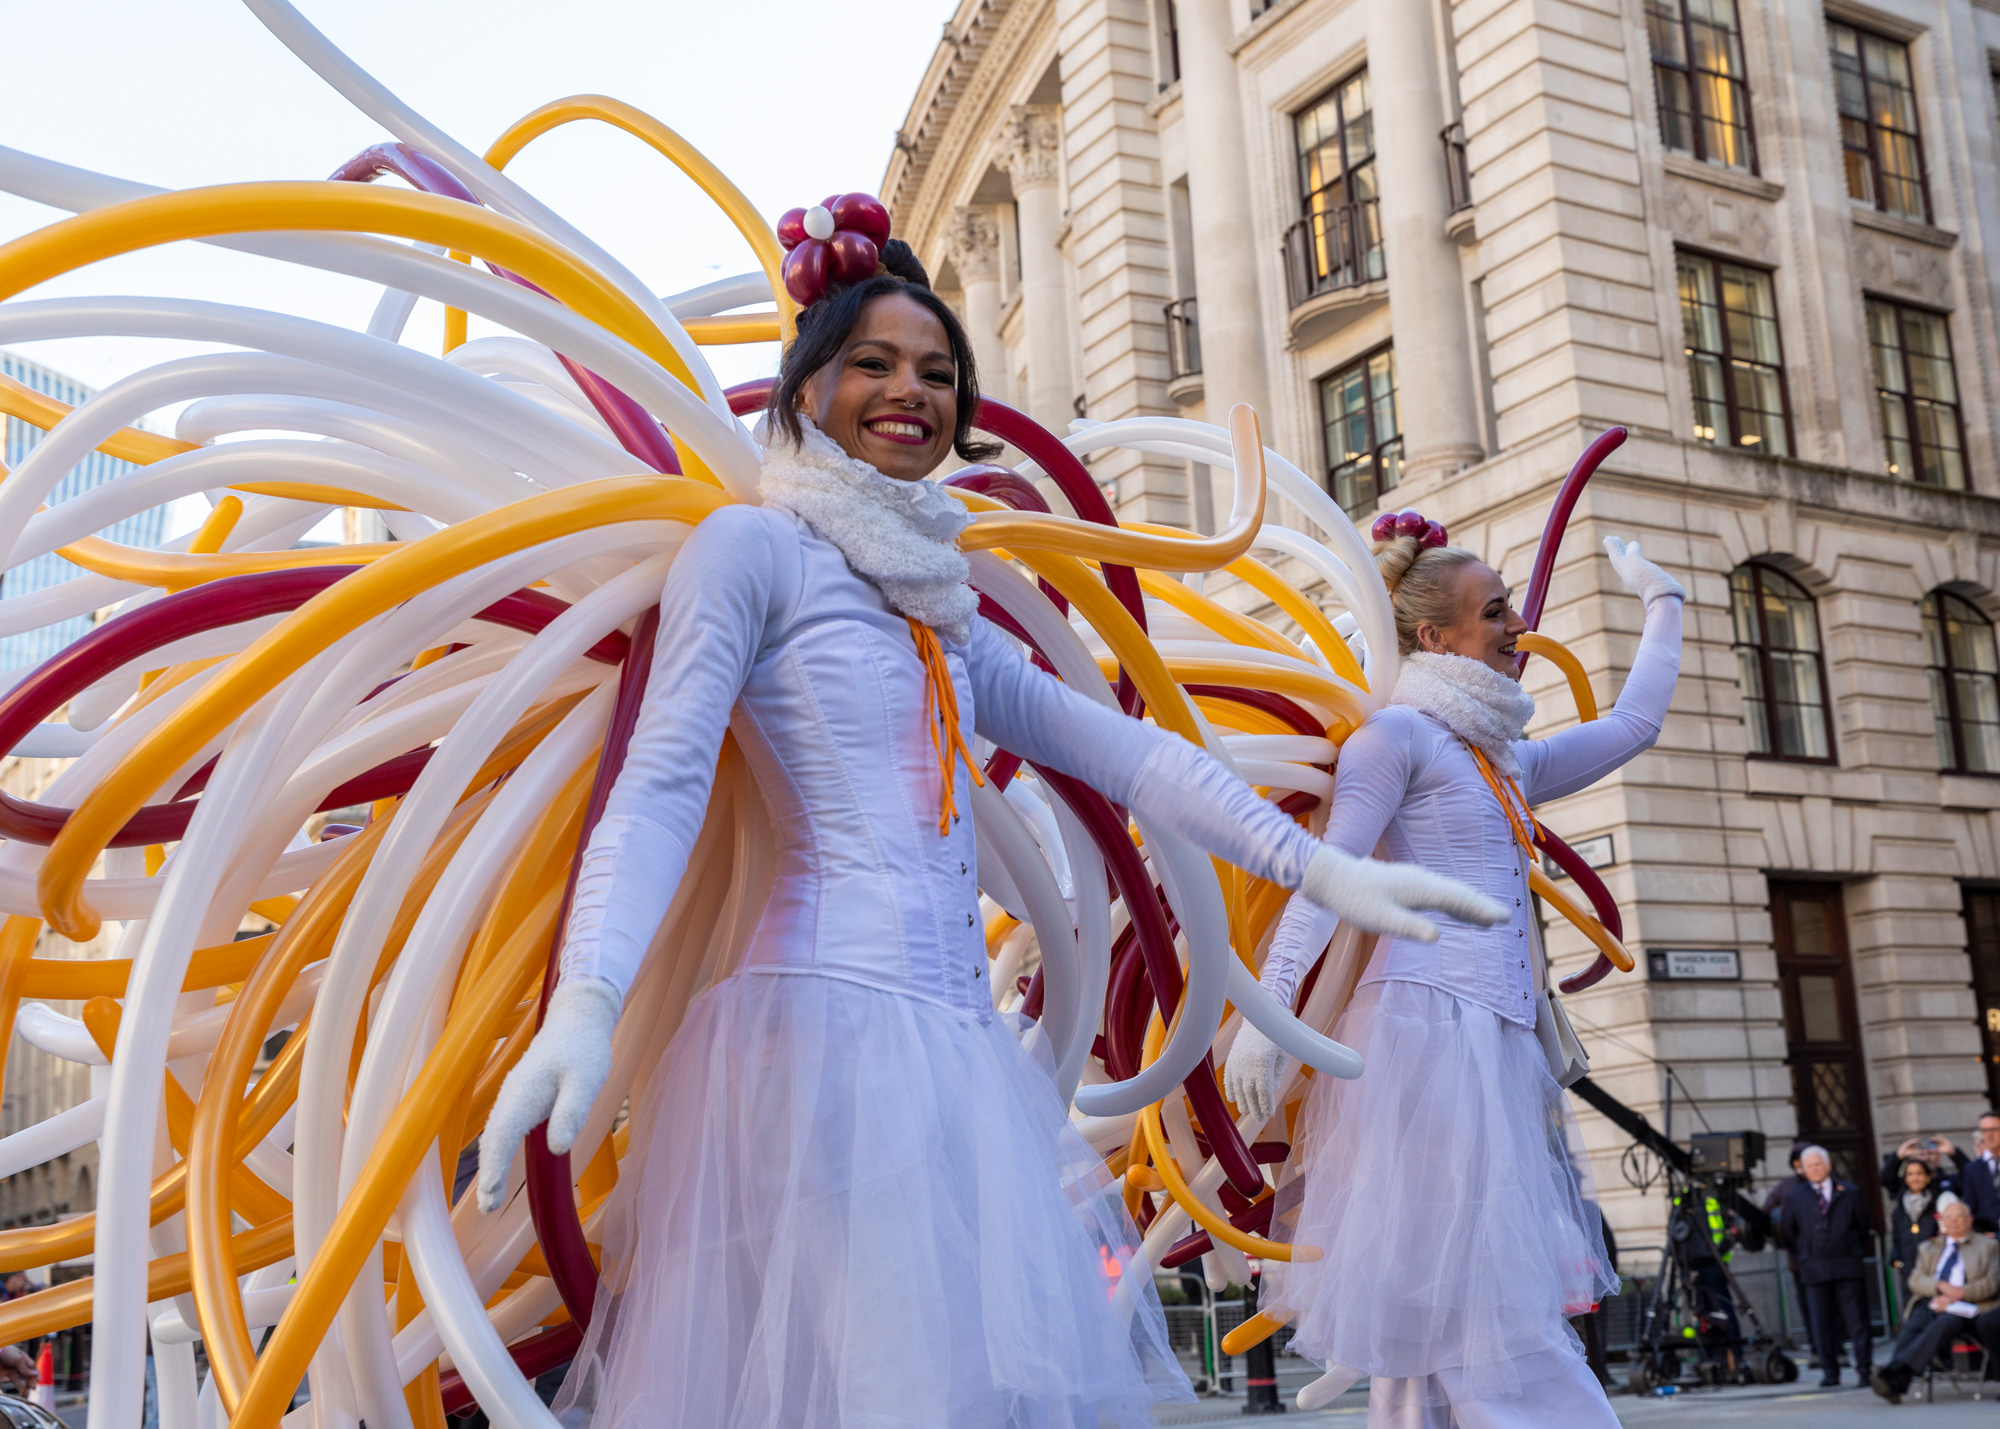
{"points": [[45, 1376]]}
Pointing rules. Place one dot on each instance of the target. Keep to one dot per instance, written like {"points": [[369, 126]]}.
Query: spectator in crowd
{"points": [[1957, 1278], [1774, 1205], [1979, 1182], [1936, 1152], [1774, 1200], [1825, 1225], [1913, 1215]]}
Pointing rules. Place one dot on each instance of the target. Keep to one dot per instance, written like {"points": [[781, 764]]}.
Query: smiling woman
{"points": [[884, 368]]}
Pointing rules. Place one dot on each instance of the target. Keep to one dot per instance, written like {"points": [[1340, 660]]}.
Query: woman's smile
{"points": [[912, 431]]}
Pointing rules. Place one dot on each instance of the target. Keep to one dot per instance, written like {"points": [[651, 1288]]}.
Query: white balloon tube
{"points": [[118, 1321], [51, 1137], [720, 296], [374, 99], [1093, 942], [1271, 1017], [1062, 992]]}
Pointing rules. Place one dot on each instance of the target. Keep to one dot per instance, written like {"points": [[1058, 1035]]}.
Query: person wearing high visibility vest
{"points": [[1701, 1235]]}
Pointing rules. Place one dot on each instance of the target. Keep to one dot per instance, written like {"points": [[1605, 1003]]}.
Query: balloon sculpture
{"points": [[472, 682]]}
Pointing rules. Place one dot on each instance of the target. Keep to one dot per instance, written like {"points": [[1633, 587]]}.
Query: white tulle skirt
{"points": [[1447, 1190], [847, 1207]]}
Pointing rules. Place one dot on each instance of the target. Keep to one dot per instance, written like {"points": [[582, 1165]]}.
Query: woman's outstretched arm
{"points": [[1182, 789], [1578, 757]]}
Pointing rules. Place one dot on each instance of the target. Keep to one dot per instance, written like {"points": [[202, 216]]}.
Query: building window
{"points": [[1779, 666], [1698, 75], [1364, 446], [1916, 391], [1965, 684], [1736, 366], [1170, 44], [1337, 243], [1880, 146]]}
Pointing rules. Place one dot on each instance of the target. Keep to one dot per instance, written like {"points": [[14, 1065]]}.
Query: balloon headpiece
{"points": [[836, 241], [1407, 522]]}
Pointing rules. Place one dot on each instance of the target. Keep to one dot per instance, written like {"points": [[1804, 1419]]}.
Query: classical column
{"points": [[1437, 401], [974, 243], [1227, 254], [1031, 151]]}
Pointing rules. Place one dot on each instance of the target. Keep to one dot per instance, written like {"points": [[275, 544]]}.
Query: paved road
{"points": [[1767, 1407]]}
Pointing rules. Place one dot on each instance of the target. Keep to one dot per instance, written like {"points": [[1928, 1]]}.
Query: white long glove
{"points": [[1379, 897], [1253, 1073], [1641, 576], [557, 1080]]}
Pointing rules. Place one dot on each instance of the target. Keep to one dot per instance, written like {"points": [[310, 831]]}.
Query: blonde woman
{"points": [[1441, 1187]]}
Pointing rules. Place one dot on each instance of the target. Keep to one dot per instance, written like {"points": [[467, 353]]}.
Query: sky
{"points": [[791, 99]]}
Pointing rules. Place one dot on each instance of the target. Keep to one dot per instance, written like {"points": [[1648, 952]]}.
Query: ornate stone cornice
{"points": [[973, 240], [1031, 146]]}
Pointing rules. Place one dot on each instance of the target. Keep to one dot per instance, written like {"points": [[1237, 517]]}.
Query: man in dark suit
{"points": [[1824, 1224], [1979, 1181]]}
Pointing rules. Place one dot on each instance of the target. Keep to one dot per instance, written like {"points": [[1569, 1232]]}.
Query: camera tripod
{"points": [[1697, 1299]]}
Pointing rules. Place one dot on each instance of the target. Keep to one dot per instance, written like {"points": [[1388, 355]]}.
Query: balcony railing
{"points": [[1457, 173], [1333, 249], [1183, 340]]}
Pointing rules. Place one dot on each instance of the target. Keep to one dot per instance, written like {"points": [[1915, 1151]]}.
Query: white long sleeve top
{"points": [[1405, 782], [767, 631]]}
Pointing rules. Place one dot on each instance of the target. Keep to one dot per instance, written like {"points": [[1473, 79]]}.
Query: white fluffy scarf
{"points": [[902, 535], [1479, 704]]}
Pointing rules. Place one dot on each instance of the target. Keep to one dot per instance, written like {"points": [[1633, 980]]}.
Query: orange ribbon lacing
{"points": [[1515, 818], [941, 709]]}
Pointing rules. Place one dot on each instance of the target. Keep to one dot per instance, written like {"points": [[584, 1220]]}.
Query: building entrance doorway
{"points": [[1982, 947], [1822, 1030]]}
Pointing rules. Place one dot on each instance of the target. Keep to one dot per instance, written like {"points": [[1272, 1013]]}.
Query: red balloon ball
{"points": [[806, 272], [852, 256], [829, 201], [1384, 528], [1433, 534], [863, 214], [792, 228], [1409, 523]]}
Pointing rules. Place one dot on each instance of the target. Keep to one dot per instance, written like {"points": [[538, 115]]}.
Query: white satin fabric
{"points": [[772, 635]]}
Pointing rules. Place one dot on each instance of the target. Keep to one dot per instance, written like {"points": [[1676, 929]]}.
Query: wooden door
{"points": [[1982, 949], [1822, 1030]]}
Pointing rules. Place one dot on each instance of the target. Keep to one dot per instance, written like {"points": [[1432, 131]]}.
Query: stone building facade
{"points": [[1441, 245]]}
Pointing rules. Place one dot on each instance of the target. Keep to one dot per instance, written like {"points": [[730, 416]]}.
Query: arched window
{"points": [[1965, 684], [1779, 666]]}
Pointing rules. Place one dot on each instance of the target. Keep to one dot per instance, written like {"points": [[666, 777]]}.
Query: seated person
{"points": [[1956, 1279]]}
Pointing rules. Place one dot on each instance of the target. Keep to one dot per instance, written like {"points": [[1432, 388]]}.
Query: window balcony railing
{"points": [[1183, 340], [1332, 249], [1457, 173]]}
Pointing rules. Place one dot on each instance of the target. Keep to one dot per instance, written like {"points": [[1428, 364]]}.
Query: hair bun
{"points": [[901, 261], [1394, 556]]}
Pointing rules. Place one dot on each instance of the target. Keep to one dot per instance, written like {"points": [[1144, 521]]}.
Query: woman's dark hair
{"points": [[1903, 1171], [825, 327]]}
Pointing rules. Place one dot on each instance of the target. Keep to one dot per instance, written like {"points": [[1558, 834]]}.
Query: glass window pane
{"points": [[1676, 110], [1358, 411], [1788, 615], [1755, 717], [1941, 722], [1664, 32], [1741, 609], [1711, 414], [1819, 1008], [1760, 410]]}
